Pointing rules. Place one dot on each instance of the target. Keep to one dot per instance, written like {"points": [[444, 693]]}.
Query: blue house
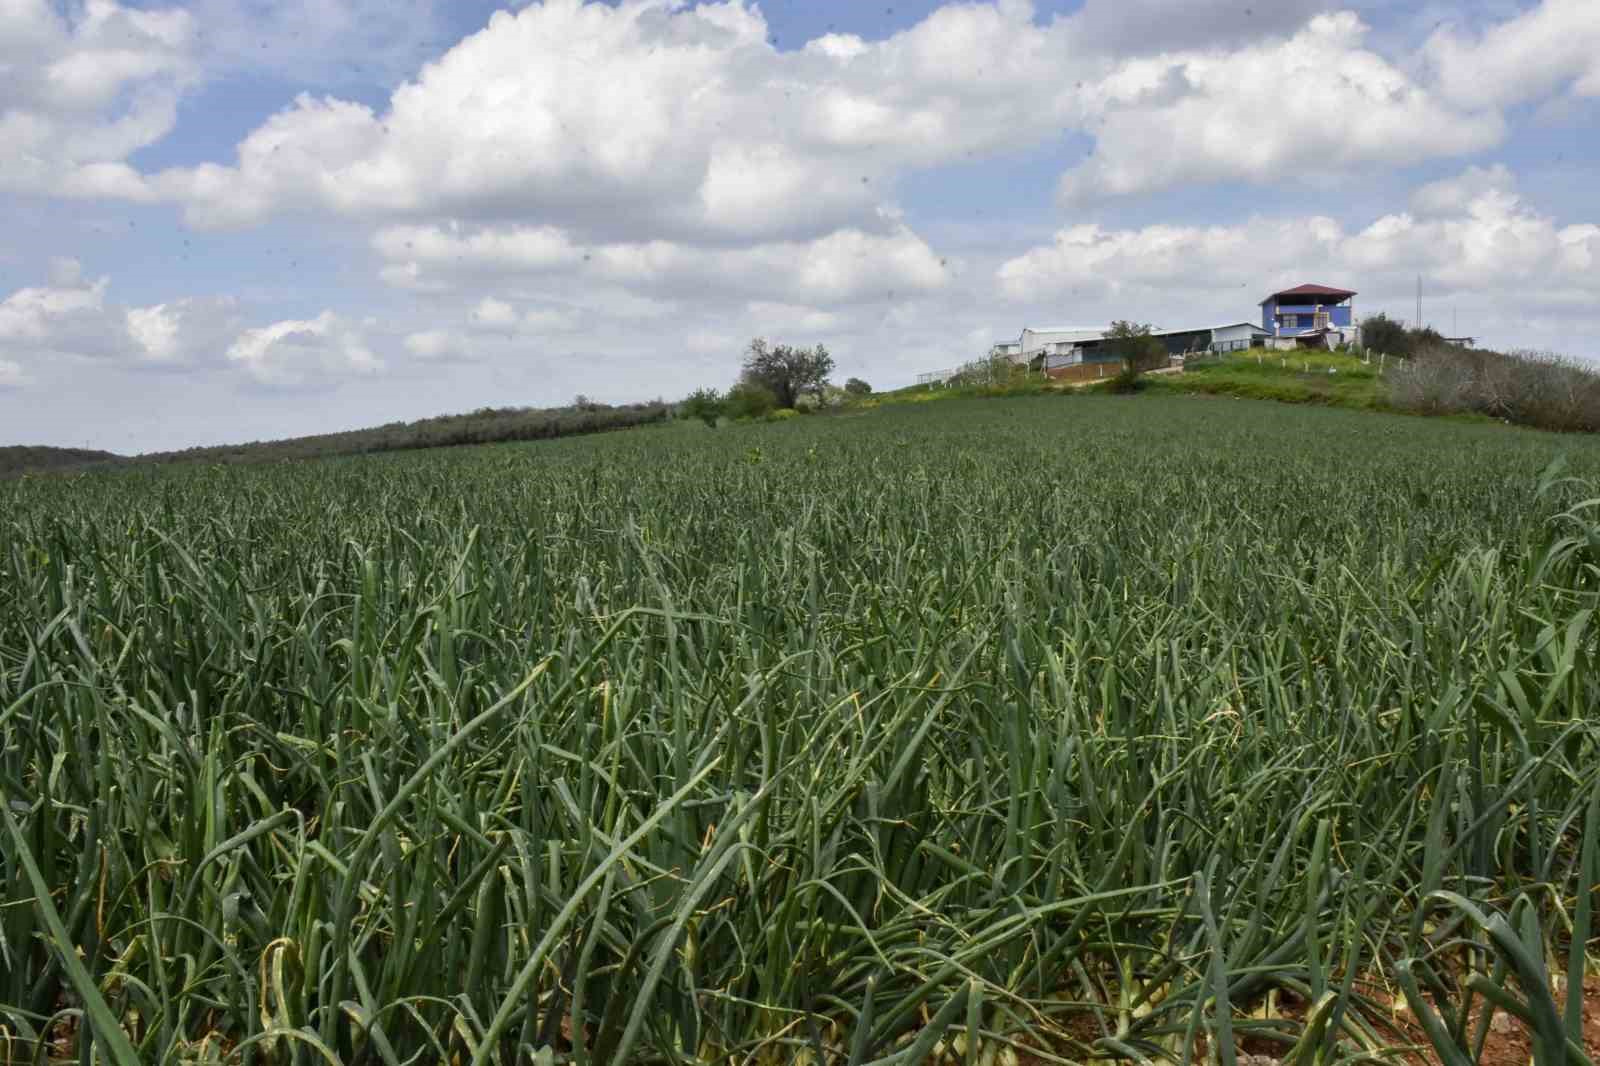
{"points": [[1309, 313]]}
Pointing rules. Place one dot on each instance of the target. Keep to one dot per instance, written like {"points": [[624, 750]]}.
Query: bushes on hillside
{"points": [[749, 400], [704, 404], [1539, 389], [27, 459], [486, 425], [1380, 333], [992, 371]]}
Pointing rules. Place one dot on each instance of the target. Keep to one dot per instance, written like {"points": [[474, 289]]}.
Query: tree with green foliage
{"points": [[1138, 351], [857, 387], [1380, 333], [704, 404], [787, 373], [1427, 337], [749, 399]]}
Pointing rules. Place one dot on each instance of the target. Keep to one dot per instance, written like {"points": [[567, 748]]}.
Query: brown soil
{"points": [[1508, 1043]]}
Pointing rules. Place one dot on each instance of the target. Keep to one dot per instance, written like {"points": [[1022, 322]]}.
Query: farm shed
{"points": [[1063, 349]]}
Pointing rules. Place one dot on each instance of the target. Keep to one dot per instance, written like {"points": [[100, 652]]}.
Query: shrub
{"points": [[1539, 389], [749, 400], [1555, 392], [1429, 383], [704, 404], [857, 387], [1380, 333], [987, 372]]}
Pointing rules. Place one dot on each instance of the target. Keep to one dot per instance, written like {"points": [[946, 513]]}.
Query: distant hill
{"points": [[484, 426], [22, 459]]}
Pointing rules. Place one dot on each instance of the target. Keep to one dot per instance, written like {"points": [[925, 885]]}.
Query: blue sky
{"points": [[233, 219]]}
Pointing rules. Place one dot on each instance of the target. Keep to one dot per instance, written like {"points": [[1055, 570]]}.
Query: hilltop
{"points": [[26, 459], [484, 426], [1541, 392]]}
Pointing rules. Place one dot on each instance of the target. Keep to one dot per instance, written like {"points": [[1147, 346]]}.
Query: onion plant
{"points": [[1079, 729]]}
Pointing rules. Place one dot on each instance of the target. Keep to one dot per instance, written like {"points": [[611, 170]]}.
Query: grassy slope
{"points": [[1287, 377], [1329, 378], [23, 459], [484, 426]]}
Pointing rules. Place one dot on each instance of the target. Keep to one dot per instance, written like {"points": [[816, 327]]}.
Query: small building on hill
{"points": [[1057, 349], [1309, 316], [1054, 340]]}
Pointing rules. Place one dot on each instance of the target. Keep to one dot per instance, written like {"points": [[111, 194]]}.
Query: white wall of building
{"points": [[1236, 337]]}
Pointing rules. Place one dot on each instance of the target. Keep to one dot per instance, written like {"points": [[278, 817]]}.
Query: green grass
{"points": [[1330, 378], [1283, 377], [1073, 725], [1023, 385]]}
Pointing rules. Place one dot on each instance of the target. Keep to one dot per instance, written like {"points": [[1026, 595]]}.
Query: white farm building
{"points": [[1069, 346]]}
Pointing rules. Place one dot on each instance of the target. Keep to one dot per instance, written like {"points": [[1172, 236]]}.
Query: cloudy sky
{"points": [[239, 219]]}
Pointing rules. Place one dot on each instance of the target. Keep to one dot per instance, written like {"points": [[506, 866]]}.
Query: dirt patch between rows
{"points": [[1507, 1043]]}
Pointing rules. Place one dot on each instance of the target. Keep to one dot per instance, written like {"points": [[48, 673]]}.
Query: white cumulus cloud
{"points": [[840, 267], [304, 352], [72, 318], [1550, 47], [1319, 99], [86, 85], [435, 344], [685, 123]]}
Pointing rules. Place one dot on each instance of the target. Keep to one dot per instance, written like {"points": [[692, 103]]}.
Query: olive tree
{"points": [[788, 373]]}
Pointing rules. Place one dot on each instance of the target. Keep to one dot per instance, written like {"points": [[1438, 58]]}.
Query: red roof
{"points": [[1311, 290]]}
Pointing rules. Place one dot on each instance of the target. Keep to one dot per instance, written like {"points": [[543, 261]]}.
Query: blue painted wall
{"points": [[1337, 316]]}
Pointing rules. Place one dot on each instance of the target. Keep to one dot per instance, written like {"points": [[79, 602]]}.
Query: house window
{"points": [[1290, 321]]}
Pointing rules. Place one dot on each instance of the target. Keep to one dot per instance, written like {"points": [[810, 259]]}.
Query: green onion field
{"points": [[1161, 729]]}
